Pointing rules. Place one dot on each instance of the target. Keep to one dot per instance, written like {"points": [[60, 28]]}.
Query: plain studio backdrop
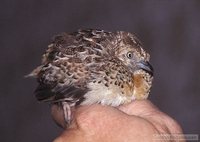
{"points": [[169, 30]]}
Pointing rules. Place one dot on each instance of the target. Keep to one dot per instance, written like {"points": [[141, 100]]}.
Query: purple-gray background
{"points": [[169, 30]]}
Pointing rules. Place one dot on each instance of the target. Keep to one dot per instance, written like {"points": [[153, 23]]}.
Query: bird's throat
{"points": [[141, 88]]}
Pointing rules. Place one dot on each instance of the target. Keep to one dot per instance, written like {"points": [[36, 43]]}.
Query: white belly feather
{"points": [[99, 93]]}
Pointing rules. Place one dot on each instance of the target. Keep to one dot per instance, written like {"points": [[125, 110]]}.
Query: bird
{"points": [[92, 66]]}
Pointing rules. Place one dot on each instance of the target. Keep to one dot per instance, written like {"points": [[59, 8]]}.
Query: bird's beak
{"points": [[146, 66]]}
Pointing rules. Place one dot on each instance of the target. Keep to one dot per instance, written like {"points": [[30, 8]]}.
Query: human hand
{"points": [[137, 121]]}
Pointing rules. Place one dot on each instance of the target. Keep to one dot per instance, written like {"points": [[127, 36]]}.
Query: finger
{"points": [[71, 135], [145, 109], [139, 108]]}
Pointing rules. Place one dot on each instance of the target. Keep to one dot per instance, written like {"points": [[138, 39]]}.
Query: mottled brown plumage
{"points": [[93, 66]]}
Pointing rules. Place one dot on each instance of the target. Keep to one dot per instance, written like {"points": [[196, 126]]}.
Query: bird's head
{"points": [[131, 53]]}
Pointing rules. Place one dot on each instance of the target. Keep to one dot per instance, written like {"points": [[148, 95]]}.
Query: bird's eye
{"points": [[129, 55]]}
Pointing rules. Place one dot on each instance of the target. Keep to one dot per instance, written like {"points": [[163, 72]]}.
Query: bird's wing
{"points": [[62, 80], [68, 65], [59, 93]]}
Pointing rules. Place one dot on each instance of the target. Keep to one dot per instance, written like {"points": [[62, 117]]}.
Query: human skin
{"points": [[135, 122]]}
